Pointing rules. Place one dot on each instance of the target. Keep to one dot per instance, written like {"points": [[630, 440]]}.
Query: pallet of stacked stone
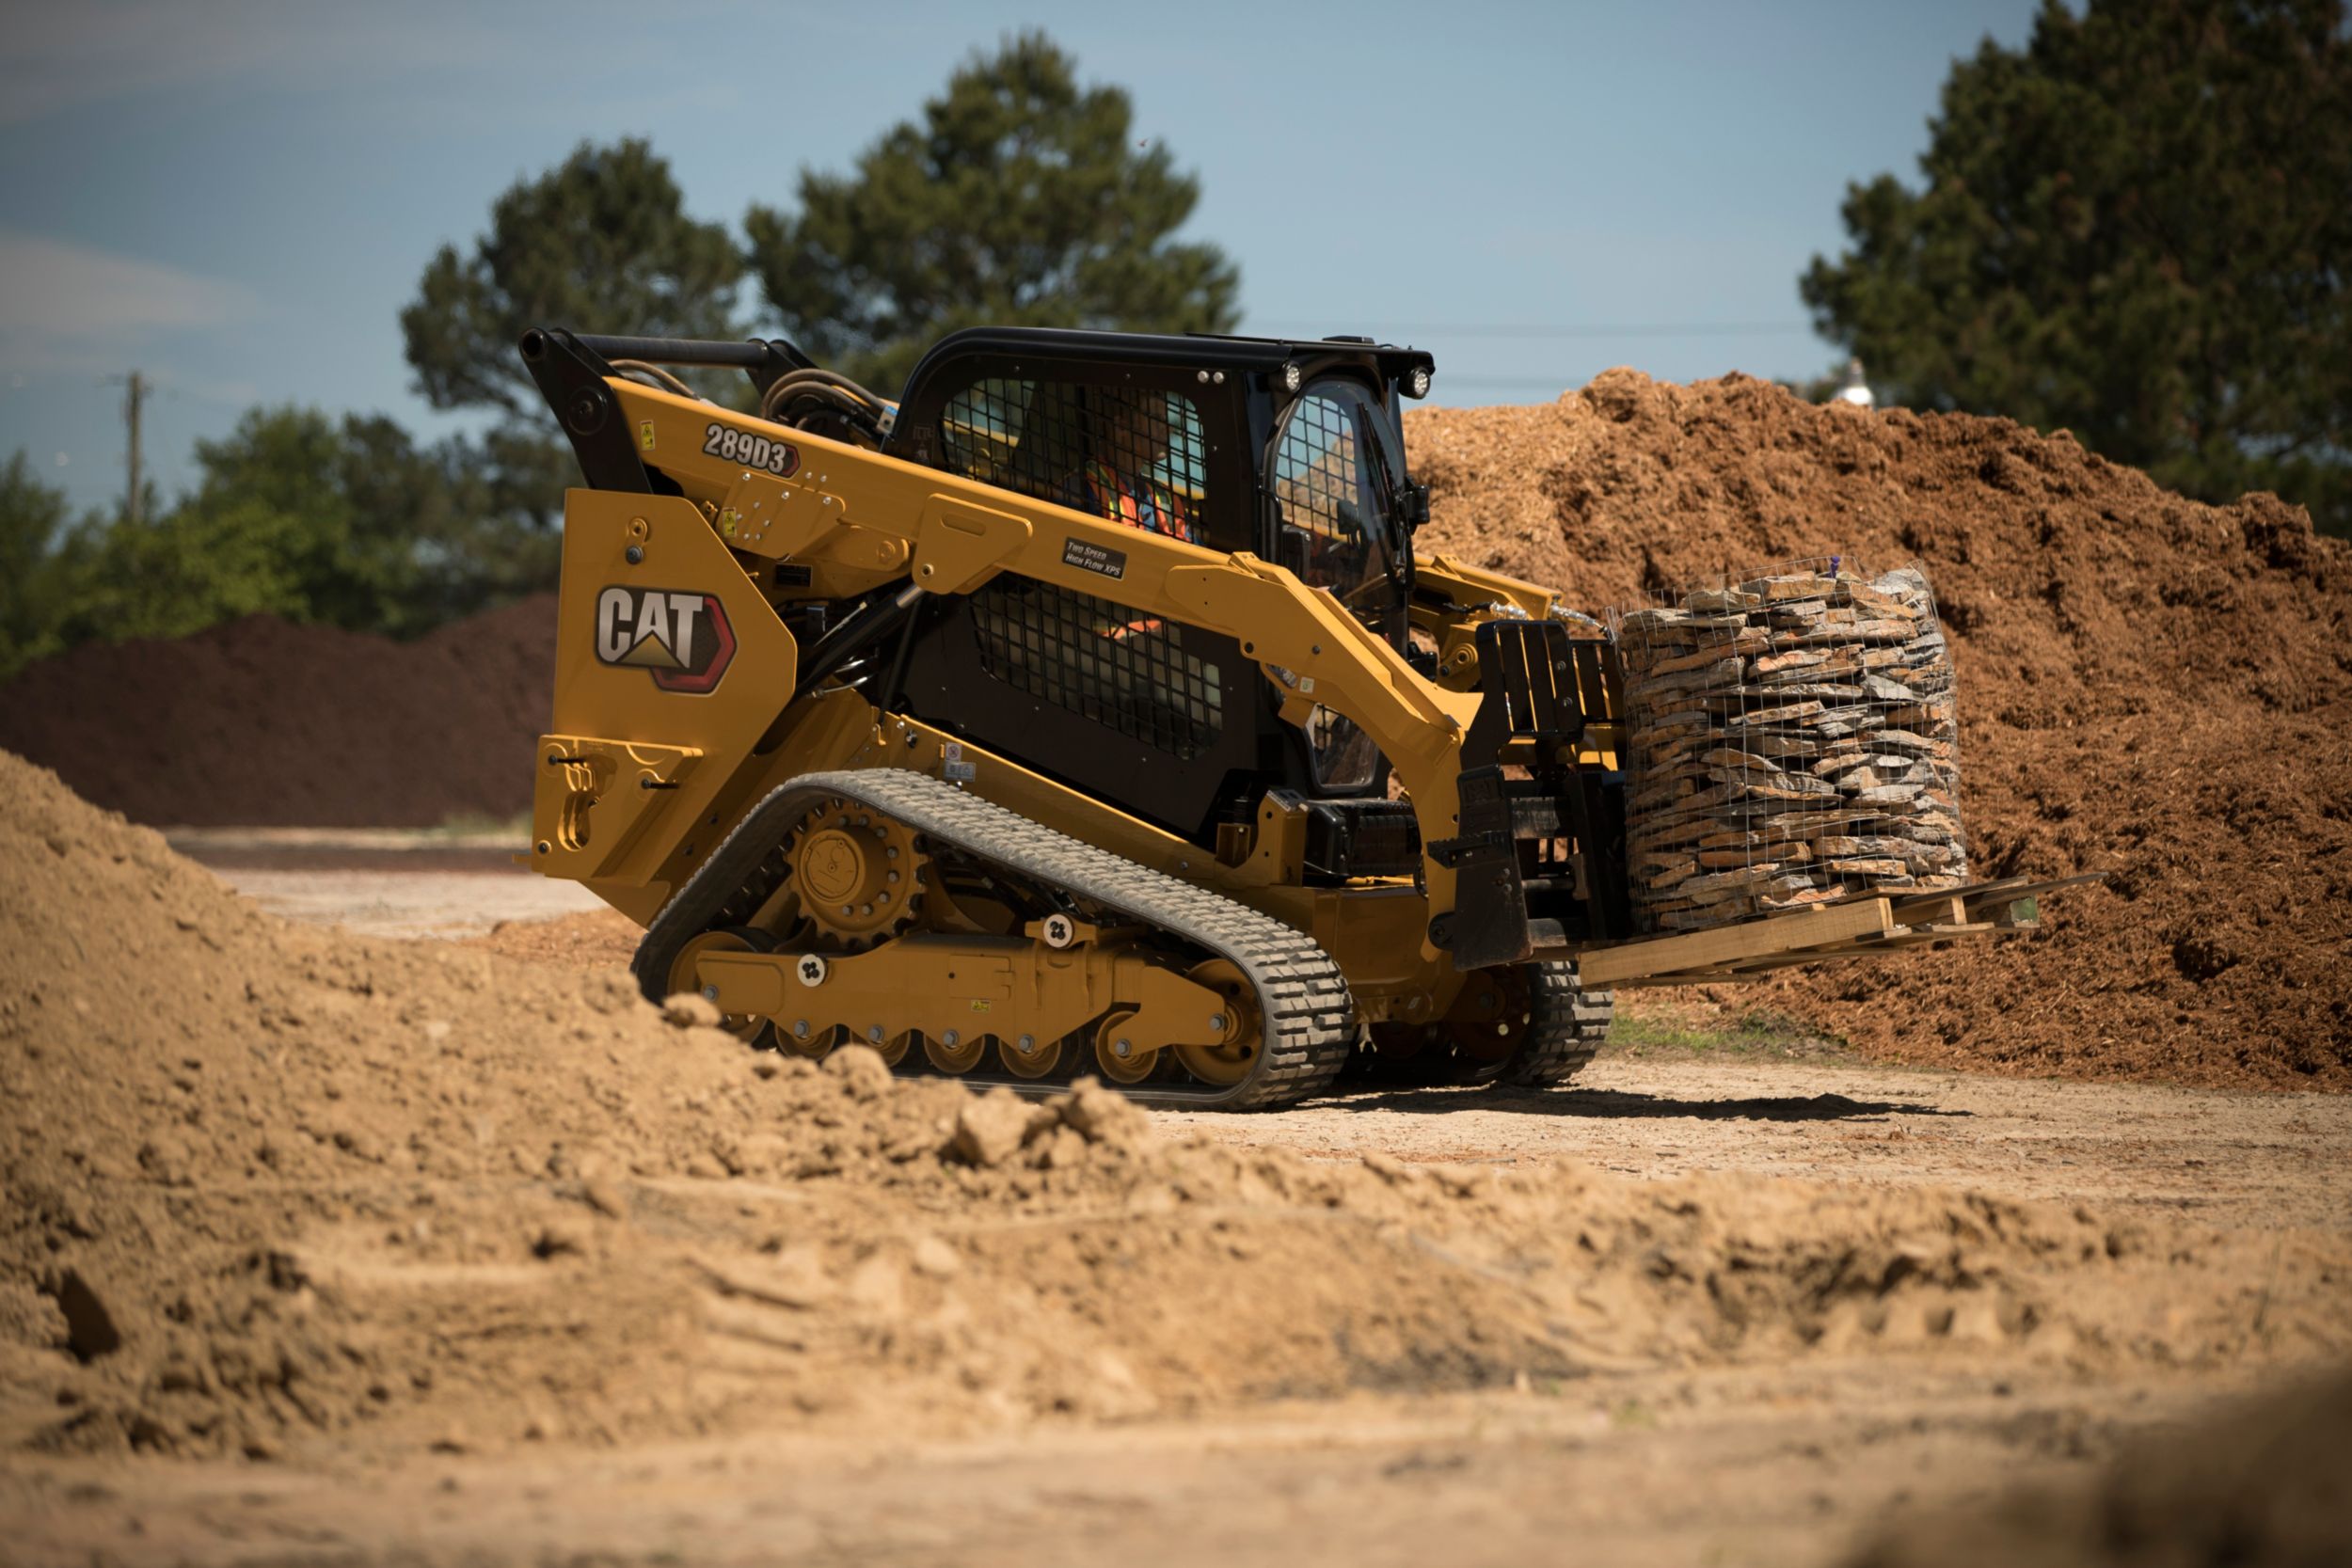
{"points": [[1790, 741]]}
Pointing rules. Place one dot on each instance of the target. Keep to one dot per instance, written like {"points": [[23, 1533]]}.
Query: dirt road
{"points": [[2228, 1159], [1741, 1103], [1786, 1456], [382, 882]]}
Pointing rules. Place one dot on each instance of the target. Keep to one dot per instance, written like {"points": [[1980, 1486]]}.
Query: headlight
{"points": [[1418, 384]]}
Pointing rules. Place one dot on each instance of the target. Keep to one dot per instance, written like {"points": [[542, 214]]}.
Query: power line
{"points": [[1567, 329]]}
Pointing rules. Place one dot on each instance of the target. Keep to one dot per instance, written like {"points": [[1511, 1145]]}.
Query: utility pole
{"points": [[132, 397]]}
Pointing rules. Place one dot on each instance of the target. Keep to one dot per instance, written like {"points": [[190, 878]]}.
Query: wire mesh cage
{"points": [[1791, 740], [1127, 672], [1328, 491], [1127, 454]]}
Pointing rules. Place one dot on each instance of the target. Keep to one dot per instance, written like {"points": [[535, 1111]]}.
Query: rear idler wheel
{"points": [[750, 1028]]}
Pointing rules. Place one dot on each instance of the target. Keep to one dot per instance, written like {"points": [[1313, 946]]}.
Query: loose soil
{"points": [[321, 1249], [2147, 687]]}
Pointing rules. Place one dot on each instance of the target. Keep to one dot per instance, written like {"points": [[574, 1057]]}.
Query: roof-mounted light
{"points": [[1417, 384], [1292, 376]]}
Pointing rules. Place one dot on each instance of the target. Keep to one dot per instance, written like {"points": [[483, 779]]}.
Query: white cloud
{"points": [[63, 303], [56, 57]]}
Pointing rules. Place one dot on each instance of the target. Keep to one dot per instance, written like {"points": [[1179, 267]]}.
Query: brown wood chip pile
{"points": [[1791, 740]]}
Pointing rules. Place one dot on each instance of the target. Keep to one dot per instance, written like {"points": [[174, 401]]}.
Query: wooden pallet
{"points": [[1860, 928]]}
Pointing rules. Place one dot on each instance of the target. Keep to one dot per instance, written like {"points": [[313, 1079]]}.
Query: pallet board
{"points": [[1862, 926]]}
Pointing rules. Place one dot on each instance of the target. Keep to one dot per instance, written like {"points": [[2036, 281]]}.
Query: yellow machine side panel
{"points": [[676, 646]]}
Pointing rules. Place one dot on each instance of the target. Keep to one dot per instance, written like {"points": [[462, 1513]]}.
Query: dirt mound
{"points": [[261, 724], [270, 1186], [590, 939], [2147, 687], [2267, 1484]]}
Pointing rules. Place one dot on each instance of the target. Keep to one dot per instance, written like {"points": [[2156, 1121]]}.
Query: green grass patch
{"points": [[1759, 1033]]}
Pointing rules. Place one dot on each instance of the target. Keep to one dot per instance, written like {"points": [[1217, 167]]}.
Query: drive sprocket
{"points": [[858, 875]]}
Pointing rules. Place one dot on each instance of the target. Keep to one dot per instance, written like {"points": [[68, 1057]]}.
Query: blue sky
{"points": [[237, 196]]}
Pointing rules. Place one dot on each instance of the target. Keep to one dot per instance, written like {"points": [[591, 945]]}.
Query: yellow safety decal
{"points": [[644, 436]]}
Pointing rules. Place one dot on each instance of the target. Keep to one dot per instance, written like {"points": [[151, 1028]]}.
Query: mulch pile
{"points": [[2147, 687], [263, 723]]}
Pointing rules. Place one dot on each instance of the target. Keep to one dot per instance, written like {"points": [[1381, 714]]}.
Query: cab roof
{"points": [[1203, 350]]}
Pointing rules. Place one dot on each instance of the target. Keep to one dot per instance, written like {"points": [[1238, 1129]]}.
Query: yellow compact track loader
{"points": [[1087, 711]]}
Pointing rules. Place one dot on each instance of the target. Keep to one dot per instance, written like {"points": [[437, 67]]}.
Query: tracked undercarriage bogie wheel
{"points": [[1117, 1056], [954, 1052], [1525, 1023], [813, 1042], [1030, 1055], [1285, 1030]]}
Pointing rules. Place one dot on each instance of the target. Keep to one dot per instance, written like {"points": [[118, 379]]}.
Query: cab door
{"points": [[1333, 483]]}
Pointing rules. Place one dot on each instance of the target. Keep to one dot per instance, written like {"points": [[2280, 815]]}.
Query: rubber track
{"points": [[1564, 1026], [1302, 997]]}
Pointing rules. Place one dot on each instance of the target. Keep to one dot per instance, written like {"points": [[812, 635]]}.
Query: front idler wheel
{"points": [[1225, 1062]]}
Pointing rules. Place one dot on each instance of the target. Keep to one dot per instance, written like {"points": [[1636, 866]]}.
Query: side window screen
{"points": [[1328, 480], [1121, 454], [1334, 511]]}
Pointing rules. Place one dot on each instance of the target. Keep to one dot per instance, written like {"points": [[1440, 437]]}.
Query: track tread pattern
{"points": [[1565, 1026], [1308, 1013]]}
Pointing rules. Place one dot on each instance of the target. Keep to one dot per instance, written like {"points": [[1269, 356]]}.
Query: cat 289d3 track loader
{"points": [[1087, 710]]}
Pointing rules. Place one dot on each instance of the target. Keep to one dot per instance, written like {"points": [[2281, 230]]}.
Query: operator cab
{"points": [[1290, 450]]}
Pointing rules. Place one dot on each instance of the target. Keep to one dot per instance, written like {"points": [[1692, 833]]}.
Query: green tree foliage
{"points": [[32, 515], [601, 244], [348, 524], [191, 568], [1019, 199], [2136, 227]]}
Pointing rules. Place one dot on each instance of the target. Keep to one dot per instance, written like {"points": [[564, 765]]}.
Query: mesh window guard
{"points": [[1332, 524], [1129, 455], [1122, 669], [1320, 481]]}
